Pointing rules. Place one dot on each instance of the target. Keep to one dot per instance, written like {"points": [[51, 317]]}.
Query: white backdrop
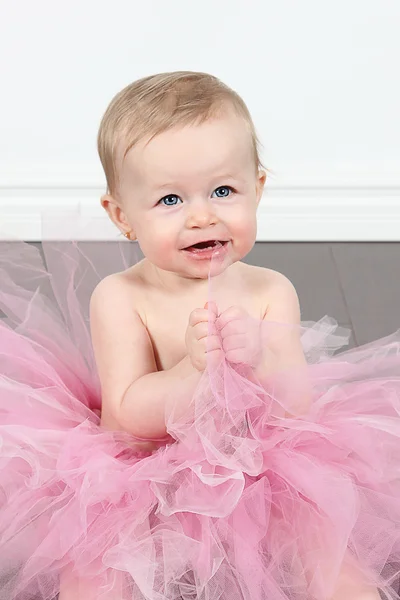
{"points": [[321, 79]]}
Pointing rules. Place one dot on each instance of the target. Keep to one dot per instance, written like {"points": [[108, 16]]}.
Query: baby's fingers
{"points": [[212, 342], [234, 342], [236, 327], [211, 307], [198, 315], [214, 352], [204, 330]]}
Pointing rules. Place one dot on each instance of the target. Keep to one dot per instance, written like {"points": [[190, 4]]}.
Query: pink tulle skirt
{"points": [[238, 504]]}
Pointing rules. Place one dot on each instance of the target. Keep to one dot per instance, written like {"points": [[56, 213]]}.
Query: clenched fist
{"points": [[240, 336], [202, 340], [232, 335]]}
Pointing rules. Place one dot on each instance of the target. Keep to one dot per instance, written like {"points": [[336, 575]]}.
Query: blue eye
{"points": [[224, 187], [168, 198], [172, 199]]}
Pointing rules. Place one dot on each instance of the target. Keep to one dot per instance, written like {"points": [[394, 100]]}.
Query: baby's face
{"points": [[189, 185]]}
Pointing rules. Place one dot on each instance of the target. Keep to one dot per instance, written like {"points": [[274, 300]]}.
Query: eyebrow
{"points": [[174, 183]]}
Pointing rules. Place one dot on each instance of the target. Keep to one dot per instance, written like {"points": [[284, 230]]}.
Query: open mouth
{"points": [[208, 245]]}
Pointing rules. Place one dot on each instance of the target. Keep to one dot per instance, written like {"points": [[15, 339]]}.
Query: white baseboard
{"points": [[292, 213]]}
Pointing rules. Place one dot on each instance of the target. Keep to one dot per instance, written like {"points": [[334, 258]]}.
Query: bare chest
{"points": [[166, 318]]}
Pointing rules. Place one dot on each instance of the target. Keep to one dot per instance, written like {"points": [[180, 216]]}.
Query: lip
{"points": [[207, 253]]}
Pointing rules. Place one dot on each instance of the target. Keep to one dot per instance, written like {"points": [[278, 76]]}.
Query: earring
{"points": [[127, 234]]}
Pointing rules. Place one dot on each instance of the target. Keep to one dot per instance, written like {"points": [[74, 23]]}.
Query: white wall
{"points": [[321, 79]]}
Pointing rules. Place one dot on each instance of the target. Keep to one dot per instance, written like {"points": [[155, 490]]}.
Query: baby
{"points": [[184, 179], [180, 155]]}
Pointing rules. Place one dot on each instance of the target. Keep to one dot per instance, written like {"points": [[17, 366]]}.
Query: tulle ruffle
{"points": [[239, 503]]}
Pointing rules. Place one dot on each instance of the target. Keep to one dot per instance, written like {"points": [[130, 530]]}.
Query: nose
{"points": [[200, 213]]}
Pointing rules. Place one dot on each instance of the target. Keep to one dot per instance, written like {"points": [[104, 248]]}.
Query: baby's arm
{"points": [[134, 393], [283, 356]]}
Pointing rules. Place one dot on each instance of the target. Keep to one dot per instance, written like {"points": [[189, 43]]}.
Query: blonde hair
{"points": [[154, 104]]}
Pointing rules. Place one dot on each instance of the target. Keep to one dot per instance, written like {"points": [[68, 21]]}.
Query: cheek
{"points": [[157, 239], [165, 244], [244, 221]]}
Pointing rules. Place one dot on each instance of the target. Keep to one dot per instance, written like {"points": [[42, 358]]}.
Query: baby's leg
{"points": [[74, 588], [77, 588], [352, 587]]}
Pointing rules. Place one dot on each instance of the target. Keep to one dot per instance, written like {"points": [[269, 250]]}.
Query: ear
{"points": [[261, 178], [115, 211]]}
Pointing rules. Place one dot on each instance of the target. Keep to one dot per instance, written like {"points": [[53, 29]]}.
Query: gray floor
{"points": [[357, 283]]}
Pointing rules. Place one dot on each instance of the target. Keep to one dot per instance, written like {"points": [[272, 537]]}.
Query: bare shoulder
{"points": [[114, 281], [118, 287], [277, 292]]}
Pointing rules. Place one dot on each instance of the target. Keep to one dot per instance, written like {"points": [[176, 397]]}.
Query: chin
{"points": [[208, 269]]}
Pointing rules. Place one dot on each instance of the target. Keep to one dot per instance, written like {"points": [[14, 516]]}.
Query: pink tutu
{"points": [[237, 504]]}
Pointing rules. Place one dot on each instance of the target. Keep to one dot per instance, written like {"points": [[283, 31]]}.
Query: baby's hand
{"points": [[202, 340], [240, 336]]}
